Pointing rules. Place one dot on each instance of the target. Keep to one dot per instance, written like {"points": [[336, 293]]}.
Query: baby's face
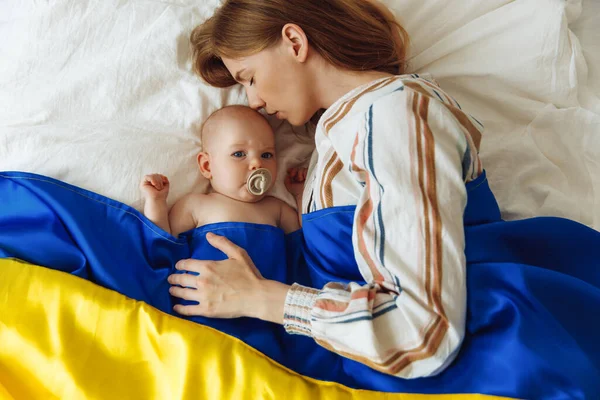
{"points": [[240, 146]]}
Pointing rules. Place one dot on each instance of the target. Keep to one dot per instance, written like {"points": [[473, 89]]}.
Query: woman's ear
{"points": [[295, 40], [204, 164]]}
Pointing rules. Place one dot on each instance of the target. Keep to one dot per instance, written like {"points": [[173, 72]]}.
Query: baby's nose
{"points": [[255, 164]]}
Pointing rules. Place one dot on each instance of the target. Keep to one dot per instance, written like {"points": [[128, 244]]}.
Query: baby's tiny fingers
{"points": [[157, 182]]}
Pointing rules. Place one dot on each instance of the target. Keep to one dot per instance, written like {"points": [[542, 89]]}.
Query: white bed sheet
{"points": [[99, 93], [587, 30], [516, 66]]}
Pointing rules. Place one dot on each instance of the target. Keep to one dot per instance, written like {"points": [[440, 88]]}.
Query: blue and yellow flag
{"points": [[87, 313]]}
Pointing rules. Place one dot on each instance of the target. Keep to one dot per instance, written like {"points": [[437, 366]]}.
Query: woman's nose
{"points": [[254, 101]]}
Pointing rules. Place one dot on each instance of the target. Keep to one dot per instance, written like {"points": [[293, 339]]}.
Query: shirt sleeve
{"points": [[409, 156]]}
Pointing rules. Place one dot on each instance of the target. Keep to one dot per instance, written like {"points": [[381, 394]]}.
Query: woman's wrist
{"points": [[298, 307], [271, 301]]}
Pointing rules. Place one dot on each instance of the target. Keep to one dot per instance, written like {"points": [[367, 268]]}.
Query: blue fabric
{"points": [[533, 285]]}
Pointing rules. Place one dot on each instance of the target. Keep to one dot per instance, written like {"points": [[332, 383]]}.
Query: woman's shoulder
{"points": [[384, 91], [416, 94], [405, 87], [426, 85]]}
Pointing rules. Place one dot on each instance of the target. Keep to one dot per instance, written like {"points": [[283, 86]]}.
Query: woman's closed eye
{"points": [[251, 81]]}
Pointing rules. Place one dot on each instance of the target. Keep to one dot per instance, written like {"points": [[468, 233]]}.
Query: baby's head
{"points": [[236, 141]]}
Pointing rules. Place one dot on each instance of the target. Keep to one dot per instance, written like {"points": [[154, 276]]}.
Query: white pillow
{"points": [[517, 67]]}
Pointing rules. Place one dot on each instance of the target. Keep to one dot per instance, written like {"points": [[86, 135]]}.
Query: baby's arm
{"points": [[155, 189], [289, 220], [181, 216], [294, 183]]}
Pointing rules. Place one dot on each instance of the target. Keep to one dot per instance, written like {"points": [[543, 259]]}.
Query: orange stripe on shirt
{"points": [[420, 178], [432, 196], [339, 306], [460, 116], [364, 213], [333, 166], [347, 106]]}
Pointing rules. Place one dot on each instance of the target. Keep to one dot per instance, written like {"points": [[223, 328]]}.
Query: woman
{"points": [[384, 216]]}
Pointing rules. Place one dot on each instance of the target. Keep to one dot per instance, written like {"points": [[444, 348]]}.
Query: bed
{"points": [[99, 93]]}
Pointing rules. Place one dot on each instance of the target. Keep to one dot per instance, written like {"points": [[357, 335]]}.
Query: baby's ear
{"points": [[204, 164]]}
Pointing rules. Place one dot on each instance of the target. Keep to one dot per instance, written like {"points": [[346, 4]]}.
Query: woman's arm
{"points": [[408, 238]]}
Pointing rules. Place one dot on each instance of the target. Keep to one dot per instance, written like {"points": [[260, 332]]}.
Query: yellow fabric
{"points": [[63, 337]]}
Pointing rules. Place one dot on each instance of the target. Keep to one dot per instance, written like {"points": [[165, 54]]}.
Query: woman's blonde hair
{"points": [[357, 35]]}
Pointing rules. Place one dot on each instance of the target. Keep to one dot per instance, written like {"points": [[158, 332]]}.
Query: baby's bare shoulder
{"points": [[192, 202], [274, 202], [191, 199], [287, 216]]}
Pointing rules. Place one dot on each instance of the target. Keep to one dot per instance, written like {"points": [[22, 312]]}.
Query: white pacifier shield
{"points": [[259, 182]]}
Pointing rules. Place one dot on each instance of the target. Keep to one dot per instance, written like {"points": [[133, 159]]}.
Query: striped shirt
{"points": [[401, 151]]}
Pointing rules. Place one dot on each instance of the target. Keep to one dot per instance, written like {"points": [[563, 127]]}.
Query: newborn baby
{"points": [[240, 162]]}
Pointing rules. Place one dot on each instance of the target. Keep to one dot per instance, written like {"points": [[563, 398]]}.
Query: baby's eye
{"points": [[238, 154], [267, 155]]}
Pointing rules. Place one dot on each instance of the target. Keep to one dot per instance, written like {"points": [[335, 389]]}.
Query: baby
{"points": [[239, 160]]}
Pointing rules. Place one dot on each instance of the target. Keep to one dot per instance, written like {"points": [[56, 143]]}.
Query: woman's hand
{"points": [[227, 289]]}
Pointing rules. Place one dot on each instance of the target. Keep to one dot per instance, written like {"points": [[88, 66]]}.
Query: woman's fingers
{"points": [[199, 310], [223, 289], [190, 264], [185, 280], [231, 250], [188, 310], [185, 293]]}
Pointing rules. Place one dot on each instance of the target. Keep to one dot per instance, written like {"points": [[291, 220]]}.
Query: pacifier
{"points": [[259, 181]]}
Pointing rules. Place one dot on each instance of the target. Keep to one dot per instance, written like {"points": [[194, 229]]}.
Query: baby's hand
{"points": [[155, 187], [294, 181]]}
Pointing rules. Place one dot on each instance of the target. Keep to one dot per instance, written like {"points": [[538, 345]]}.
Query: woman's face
{"points": [[278, 80]]}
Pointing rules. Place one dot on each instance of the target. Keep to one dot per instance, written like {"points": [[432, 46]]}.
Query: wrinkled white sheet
{"points": [[518, 68], [100, 92]]}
